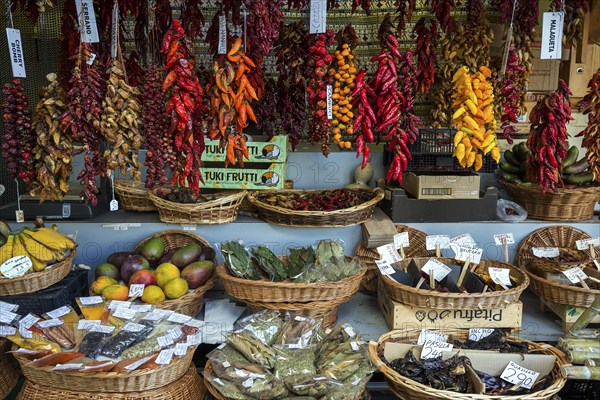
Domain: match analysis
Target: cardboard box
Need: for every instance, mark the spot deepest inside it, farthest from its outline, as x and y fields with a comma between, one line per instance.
x=401, y=316
x=265, y=177
x=434, y=186
x=260, y=150
x=544, y=73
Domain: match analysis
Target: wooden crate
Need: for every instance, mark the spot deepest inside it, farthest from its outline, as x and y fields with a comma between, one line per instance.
x=567, y=314
x=401, y=316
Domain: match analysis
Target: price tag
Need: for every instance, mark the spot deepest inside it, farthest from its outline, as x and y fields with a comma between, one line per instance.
x=349, y=330
x=67, y=367
x=355, y=346
x=137, y=364
x=114, y=37
x=133, y=327
x=585, y=244
x=114, y=205
x=575, y=274
x=329, y=102
x=141, y=307
x=476, y=334
x=59, y=312
x=136, y=290
x=115, y=304
x=7, y=330
x=87, y=21
x=179, y=318
x=464, y=239
x=49, y=323
x=318, y=16
x=434, y=349
x=124, y=313
x=501, y=276
x=175, y=333
x=388, y=252
x=401, y=240
x=426, y=334
x=92, y=58
x=87, y=324
x=16, y=266
x=181, y=349
x=384, y=267
x=473, y=254
x=26, y=323
x=194, y=340
x=294, y=346
x=15, y=48
x=153, y=316
x=196, y=323
x=19, y=216
x=189, y=227
x=165, y=356
x=165, y=341
x=545, y=252
x=442, y=240
x=218, y=381
x=222, y=46
x=89, y=301
x=509, y=237
x=514, y=373
x=102, y=329
x=441, y=269
x=552, y=33
x=300, y=318
x=4, y=307
x=8, y=317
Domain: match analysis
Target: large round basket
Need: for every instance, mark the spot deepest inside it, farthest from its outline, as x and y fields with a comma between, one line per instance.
x=222, y=210
x=563, y=205
x=9, y=371
x=108, y=382
x=429, y=298
x=338, y=218
x=189, y=386
x=367, y=256
x=35, y=281
x=542, y=264
x=133, y=196
x=406, y=388
x=190, y=303
x=560, y=293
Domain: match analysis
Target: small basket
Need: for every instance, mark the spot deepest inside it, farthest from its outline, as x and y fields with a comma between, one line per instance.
x=108, y=382
x=30, y=283
x=222, y=210
x=367, y=256
x=133, y=196
x=548, y=265
x=189, y=386
x=406, y=388
x=338, y=218
x=324, y=311
x=560, y=293
x=192, y=302
x=563, y=205
x=9, y=372
x=432, y=299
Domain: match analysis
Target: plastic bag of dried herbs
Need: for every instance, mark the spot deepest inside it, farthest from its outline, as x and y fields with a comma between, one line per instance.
x=298, y=331
x=309, y=385
x=227, y=389
x=235, y=370
x=238, y=261
x=299, y=259
x=268, y=261
x=227, y=352
x=347, y=391
x=294, y=362
x=337, y=358
x=163, y=335
x=252, y=348
x=130, y=334
x=264, y=388
x=265, y=325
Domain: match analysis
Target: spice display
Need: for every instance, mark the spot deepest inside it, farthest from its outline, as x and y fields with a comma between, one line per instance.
x=327, y=200
x=512, y=95
x=404, y=12
x=269, y=262
x=238, y=260
x=92, y=343
x=590, y=105
x=265, y=325
x=364, y=117
x=425, y=51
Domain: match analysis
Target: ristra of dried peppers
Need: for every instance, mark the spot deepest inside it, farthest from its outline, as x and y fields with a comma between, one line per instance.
x=183, y=106
x=441, y=9
x=364, y=4
x=512, y=95
x=318, y=60
x=547, y=138
x=404, y=12
x=18, y=140
x=364, y=117
x=590, y=105
x=269, y=121
x=53, y=152
x=427, y=37
x=574, y=16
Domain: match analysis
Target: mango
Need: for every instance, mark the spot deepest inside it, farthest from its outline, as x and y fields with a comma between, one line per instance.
x=153, y=295
x=116, y=292
x=166, y=272
x=175, y=288
x=186, y=255
x=101, y=283
x=153, y=250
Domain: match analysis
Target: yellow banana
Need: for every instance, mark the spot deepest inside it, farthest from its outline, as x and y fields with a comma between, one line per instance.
x=7, y=249
x=18, y=247
x=36, y=249
x=52, y=239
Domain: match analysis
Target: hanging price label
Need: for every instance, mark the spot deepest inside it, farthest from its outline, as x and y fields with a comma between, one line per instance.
x=115, y=304
x=49, y=323
x=545, y=252
x=114, y=37
x=8, y=317
x=575, y=274
x=136, y=290
x=426, y=334
x=388, y=253
x=16, y=266
x=329, y=102
x=442, y=240
x=19, y=216
x=552, y=33
x=501, y=276
x=401, y=240
x=15, y=48
x=473, y=254
x=114, y=205
x=476, y=334
x=87, y=21
x=585, y=244
x=434, y=349
x=318, y=16
x=92, y=58
x=516, y=374
x=179, y=318
x=441, y=269
x=222, y=47
x=508, y=237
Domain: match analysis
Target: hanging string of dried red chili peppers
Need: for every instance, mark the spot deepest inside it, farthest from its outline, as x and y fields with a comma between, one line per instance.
x=427, y=37
x=512, y=95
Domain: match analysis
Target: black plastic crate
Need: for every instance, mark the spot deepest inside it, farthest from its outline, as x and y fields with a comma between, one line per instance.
x=60, y=294
x=580, y=390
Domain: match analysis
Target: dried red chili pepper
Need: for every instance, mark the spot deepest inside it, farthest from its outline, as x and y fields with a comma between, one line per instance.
x=441, y=9
x=363, y=98
x=512, y=95
x=427, y=37
x=192, y=18
x=404, y=12
x=590, y=106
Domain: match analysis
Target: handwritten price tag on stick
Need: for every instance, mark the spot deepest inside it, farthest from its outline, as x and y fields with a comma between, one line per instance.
x=501, y=276
x=471, y=254
x=476, y=334
x=437, y=242
x=136, y=290
x=504, y=237
x=440, y=270
x=545, y=252
x=576, y=275
x=384, y=267
x=585, y=244
x=388, y=252
x=434, y=349
x=516, y=374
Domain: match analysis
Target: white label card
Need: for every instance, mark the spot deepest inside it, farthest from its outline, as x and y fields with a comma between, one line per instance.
x=509, y=237
x=552, y=32
x=355, y=346
x=136, y=290
x=165, y=341
x=384, y=267
x=50, y=323
x=545, y=252
x=401, y=240
x=7, y=317
x=7, y=330
x=141, y=307
x=441, y=269
x=20, y=216
x=427, y=334
x=329, y=89
x=195, y=339
x=137, y=364
x=434, y=349
x=318, y=16
x=433, y=240
x=92, y=58
x=102, y=329
x=67, y=367
x=179, y=318
x=28, y=321
x=476, y=334
x=222, y=46
x=464, y=239
x=87, y=324
x=16, y=266
x=165, y=356
x=90, y=301
x=115, y=304
x=87, y=18
x=132, y=327
x=114, y=37
x=514, y=373
x=59, y=312
x=114, y=205
x=197, y=323
x=349, y=330
x=473, y=254
x=575, y=274
x=388, y=252
x=4, y=306
x=501, y=276
x=124, y=313
x=584, y=244
x=15, y=48
x=181, y=349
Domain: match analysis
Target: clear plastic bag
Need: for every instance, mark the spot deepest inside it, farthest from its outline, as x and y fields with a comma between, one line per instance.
x=253, y=349
x=308, y=385
x=509, y=211
x=290, y=362
x=298, y=331
x=265, y=325
x=130, y=334
x=238, y=260
x=93, y=341
x=163, y=335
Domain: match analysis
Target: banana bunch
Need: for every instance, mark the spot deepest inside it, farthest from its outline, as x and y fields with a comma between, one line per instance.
x=473, y=101
x=43, y=246
x=119, y=124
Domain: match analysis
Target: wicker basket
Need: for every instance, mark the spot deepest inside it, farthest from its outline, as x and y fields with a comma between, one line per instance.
x=222, y=210
x=35, y=281
x=190, y=303
x=548, y=265
x=133, y=196
x=428, y=298
x=108, y=382
x=560, y=293
x=189, y=386
x=345, y=217
x=406, y=388
x=367, y=256
x=9, y=371
x=563, y=205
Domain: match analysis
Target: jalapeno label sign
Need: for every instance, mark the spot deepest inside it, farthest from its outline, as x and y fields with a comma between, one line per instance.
x=516, y=374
